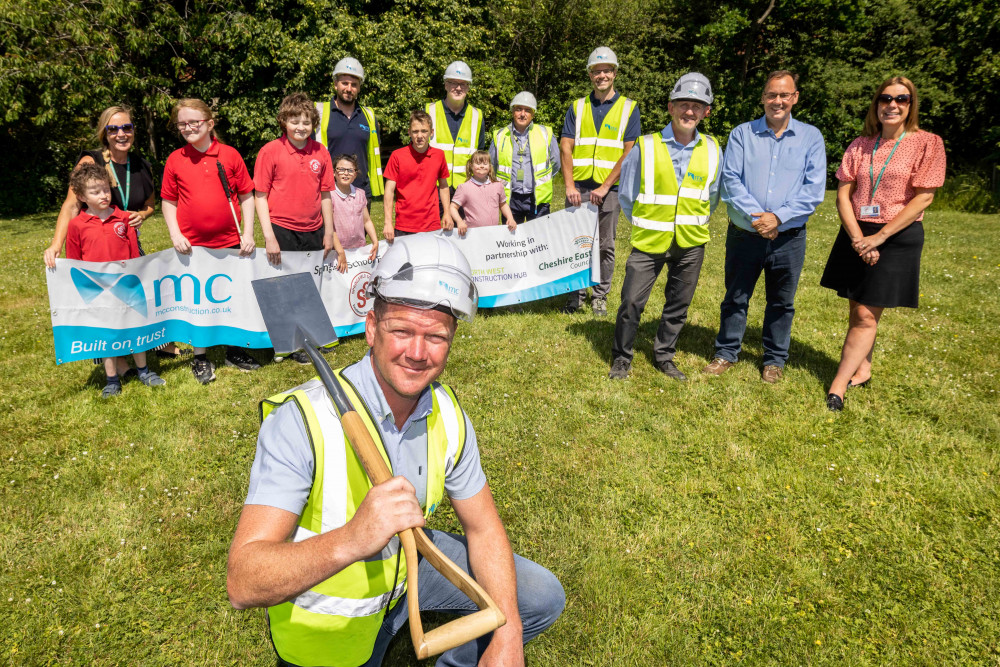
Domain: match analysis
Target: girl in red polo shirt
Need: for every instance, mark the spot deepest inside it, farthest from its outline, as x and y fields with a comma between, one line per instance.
x=196, y=209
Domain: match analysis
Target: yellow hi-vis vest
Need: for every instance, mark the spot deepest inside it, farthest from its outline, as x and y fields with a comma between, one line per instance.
x=595, y=152
x=662, y=209
x=457, y=150
x=539, y=138
x=374, y=153
x=335, y=623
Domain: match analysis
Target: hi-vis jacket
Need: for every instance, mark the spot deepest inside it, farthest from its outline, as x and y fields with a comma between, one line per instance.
x=335, y=623
x=595, y=152
x=539, y=138
x=374, y=153
x=663, y=208
x=457, y=150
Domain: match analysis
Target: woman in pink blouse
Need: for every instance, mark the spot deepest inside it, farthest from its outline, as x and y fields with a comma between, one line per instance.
x=887, y=179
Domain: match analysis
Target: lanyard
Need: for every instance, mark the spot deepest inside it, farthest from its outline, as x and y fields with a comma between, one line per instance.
x=871, y=169
x=128, y=184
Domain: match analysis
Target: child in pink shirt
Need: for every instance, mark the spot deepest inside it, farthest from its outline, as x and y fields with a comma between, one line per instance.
x=481, y=198
x=350, y=207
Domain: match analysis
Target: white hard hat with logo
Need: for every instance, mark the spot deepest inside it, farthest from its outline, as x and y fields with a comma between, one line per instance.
x=458, y=71
x=602, y=55
x=428, y=272
x=693, y=86
x=349, y=66
x=524, y=99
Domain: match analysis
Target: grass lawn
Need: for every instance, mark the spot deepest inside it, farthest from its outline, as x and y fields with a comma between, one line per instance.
x=718, y=521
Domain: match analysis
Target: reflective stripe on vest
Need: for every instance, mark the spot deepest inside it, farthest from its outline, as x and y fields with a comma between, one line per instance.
x=596, y=152
x=662, y=209
x=373, y=150
x=457, y=150
x=539, y=138
x=335, y=622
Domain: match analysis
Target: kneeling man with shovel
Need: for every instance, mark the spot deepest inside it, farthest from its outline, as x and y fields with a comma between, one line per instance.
x=317, y=539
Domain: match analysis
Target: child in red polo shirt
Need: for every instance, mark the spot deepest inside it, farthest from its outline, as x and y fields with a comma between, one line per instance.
x=102, y=233
x=197, y=210
x=293, y=177
x=412, y=175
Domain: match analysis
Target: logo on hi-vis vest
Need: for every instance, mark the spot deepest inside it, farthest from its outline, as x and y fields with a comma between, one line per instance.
x=127, y=288
x=357, y=296
x=609, y=126
x=696, y=177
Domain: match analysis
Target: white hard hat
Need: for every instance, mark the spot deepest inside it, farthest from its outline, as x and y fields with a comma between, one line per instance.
x=458, y=71
x=602, y=55
x=428, y=272
x=349, y=66
x=524, y=99
x=693, y=86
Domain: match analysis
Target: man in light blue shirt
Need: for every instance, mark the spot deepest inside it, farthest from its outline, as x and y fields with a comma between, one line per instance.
x=669, y=219
x=773, y=178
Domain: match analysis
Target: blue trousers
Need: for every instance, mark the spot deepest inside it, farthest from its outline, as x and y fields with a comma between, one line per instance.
x=540, y=601
x=781, y=260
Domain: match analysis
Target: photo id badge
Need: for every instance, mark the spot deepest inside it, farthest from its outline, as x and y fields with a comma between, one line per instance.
x=872, y=211
x=520, y=174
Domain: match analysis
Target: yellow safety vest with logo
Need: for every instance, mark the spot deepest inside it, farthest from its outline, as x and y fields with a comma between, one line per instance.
x=335, y=622
x=595, y=152
x=374, y=152
x=539, y=138
x=457, y=150
x=663, y=210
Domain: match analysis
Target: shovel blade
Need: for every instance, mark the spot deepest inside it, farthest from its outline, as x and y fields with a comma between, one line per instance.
x=293, y=310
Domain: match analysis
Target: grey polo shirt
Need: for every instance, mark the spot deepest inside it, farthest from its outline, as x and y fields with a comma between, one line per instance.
x=282, y=471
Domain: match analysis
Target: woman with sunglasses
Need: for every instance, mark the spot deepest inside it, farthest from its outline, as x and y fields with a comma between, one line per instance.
x=131, y=177
x=887, y=178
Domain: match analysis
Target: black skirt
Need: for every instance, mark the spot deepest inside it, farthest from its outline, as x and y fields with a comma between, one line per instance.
x=893, y=281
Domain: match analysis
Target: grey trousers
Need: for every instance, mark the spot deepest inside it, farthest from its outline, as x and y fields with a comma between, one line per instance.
x=641, y=270
x=607, y=224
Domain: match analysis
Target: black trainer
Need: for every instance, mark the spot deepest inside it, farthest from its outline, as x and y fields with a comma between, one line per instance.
x=619, y=369
x=203, y=370
x=238, y=357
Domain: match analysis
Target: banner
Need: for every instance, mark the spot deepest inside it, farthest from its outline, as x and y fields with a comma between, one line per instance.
x=544, y=257
x=105, y=309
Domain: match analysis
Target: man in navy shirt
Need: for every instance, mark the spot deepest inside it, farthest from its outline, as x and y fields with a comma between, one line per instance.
x=346, y=127
x=773, y=178
x=598, y=132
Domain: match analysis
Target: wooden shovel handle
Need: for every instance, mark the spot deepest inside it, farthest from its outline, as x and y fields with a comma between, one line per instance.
x=456, y=632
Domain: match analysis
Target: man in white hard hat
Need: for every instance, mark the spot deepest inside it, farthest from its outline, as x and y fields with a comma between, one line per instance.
x=598, y=132
x=347, y=128
x=773, y=178
x=669, y=189
x=525, y=157
x=317, y=546
x=457, y=125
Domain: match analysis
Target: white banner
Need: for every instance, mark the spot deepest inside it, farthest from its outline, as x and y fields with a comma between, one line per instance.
x=544, y=257
x=103, y=309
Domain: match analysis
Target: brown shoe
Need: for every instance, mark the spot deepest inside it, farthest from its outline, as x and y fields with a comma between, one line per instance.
x=718, y=366
x=771, y=374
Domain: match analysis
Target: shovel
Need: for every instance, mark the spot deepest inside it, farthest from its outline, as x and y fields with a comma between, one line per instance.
x=296, y=319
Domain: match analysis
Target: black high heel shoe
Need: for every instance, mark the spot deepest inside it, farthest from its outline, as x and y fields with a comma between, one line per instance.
x=834, y=403
x=851, y=385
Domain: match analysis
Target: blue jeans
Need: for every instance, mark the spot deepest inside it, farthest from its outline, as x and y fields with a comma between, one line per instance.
x=540, y=601
x=781, y=259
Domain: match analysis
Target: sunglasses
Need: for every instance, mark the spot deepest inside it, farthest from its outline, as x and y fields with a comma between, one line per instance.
x=127, y=128
x=900, y=99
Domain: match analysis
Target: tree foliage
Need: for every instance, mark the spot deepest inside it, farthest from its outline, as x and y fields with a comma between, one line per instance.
x=62, y=61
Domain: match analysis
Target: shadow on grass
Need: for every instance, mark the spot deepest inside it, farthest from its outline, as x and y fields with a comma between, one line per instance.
x=699, y=340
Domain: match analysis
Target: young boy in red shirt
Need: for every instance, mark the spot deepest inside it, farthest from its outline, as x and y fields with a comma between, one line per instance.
x=412, y=175
x=293, y=178
x=102, y=233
